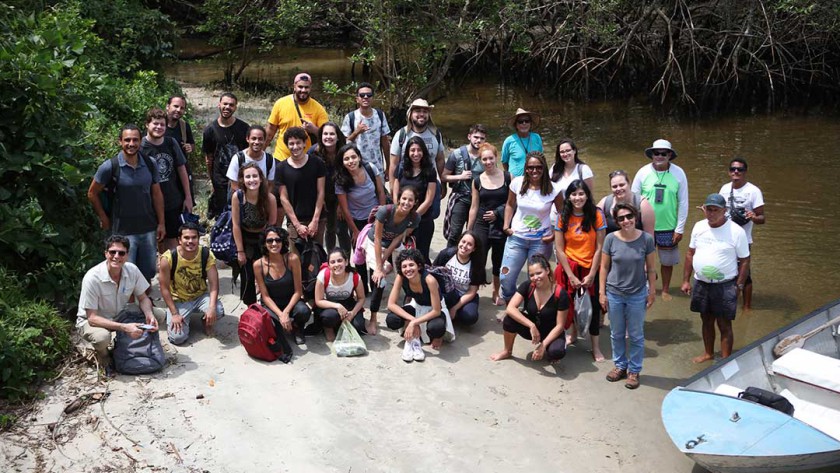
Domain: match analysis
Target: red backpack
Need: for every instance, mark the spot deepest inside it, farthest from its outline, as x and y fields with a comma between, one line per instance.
x=326, y=266
x=262, y=335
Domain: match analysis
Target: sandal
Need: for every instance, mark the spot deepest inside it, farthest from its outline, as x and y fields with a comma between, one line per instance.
x=632, y=381
x=616, y=374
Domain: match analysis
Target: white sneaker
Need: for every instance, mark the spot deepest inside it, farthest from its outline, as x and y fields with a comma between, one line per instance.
x=408, y=352
x=417, y=349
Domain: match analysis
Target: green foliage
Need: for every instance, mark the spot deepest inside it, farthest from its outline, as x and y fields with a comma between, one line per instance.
x=33, y=340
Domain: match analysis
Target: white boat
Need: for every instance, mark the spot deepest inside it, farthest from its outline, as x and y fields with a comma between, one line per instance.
x=707, y=420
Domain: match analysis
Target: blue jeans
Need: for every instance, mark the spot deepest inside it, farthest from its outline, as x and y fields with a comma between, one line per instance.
x=627, y=317
x=142, y=251
x=517, y=252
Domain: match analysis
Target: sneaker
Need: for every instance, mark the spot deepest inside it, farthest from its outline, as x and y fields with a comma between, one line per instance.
x=616, y=374
x=417, y=350
x=408, y=352
x=632, y=381
x=300, y=339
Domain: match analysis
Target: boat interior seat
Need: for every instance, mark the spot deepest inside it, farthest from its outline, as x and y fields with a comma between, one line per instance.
x=809, y=367
x=728, y=390
x=824, y=419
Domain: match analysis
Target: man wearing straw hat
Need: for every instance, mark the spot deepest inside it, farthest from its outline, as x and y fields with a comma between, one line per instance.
x=522, y=142
x=419, y=116
x=295, y=109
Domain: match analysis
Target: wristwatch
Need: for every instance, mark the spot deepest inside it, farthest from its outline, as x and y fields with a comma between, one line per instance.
x=740, y=287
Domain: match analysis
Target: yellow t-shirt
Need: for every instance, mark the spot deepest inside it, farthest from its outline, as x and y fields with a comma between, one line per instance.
x=187, y=283
x=284, y=116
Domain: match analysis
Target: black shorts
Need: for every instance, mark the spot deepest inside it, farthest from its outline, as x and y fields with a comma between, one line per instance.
x=172, y=222
x=718, y=299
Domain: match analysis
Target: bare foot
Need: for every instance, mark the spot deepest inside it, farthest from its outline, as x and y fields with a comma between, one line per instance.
x=497, y=300
x=666, y=296
x=570, y=340
x=436, y=343
x=598, y=356
x=502, y=355
x=702, y=358
x=370, y=326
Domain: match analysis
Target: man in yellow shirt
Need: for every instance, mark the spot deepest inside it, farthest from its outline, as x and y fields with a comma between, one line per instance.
x=295, y=109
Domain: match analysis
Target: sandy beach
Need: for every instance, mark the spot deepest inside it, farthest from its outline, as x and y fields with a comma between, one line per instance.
x=216, y=410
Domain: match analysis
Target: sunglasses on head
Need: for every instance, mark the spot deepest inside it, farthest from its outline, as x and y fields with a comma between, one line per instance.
x=271, y=241
x=624, y=217
x=365, y=95
x=116, y=252
x=736, y=169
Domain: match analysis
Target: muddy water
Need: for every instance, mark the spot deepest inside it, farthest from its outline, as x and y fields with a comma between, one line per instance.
x=793, y=159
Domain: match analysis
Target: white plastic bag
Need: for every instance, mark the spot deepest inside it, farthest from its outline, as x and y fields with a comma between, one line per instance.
x=348, y=342
x=583, y=312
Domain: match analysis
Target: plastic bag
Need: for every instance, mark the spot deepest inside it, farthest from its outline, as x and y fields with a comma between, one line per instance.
x=583, y=312
x=348, y=342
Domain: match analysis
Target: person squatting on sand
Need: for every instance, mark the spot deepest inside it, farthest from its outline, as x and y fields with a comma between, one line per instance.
x=339, y=295
x=466, y=265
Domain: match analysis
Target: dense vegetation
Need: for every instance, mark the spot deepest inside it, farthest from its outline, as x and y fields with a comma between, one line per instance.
x=72, y=74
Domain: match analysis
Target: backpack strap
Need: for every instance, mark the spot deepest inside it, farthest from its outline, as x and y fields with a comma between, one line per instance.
x=205, y=257
x=183, y=124
x=240, y=156
x=356, y=278
x=326, y=268
x=173, y=255
x=369, y=168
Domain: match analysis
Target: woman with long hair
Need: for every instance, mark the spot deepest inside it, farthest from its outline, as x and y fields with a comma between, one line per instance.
x=425, y=318
x=279, y=279
x=391, y=226
x=339, y=295
x=527, y=223
x=330, y=140
x=537, y=312
x=627, y=286
x=487, y=210
x=579, y=237
x=568, y=167
x=466, y=265
x=252, y=209
x=419, y=172
x=621, y=194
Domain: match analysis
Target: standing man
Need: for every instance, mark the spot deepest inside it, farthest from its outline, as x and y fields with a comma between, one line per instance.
x=420, y=124
x=297, y=177
x=295, y=110
x=665, y=186
x=172, y=173
x=223, y=138
x=177, y=127
x=106, y=289
x=744, y=206
x=189, y=282
x=134, y=201
x=459, y=171
x=719, y=255
x=368, y=129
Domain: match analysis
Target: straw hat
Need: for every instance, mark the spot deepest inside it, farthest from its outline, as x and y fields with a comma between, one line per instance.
x=420, y=103
x=661, y=144
x=535, y=118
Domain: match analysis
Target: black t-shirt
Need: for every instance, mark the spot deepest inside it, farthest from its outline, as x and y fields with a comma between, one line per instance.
x=419, y=182
x=546, y=319
x=176, y=133
x=168, y=157
x=301, y=185
x=223, y=143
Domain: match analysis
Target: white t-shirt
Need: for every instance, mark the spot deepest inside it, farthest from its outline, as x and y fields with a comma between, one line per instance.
x=233, y=168
x=717, y=250
x=369, y=141
x=337, y=293
x=580, y=170
x=532, y=219
x=748, y=197
x=460, y=273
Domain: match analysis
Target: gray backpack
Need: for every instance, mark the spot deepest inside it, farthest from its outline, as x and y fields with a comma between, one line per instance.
x=141, y=356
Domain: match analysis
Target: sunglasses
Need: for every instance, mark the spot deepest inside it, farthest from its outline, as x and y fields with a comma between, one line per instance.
x=116, y=252
x=533, y=168
x=365, y=95
x=737, y=169
x=661, y=153
x=272, y=241
x=622, y=218
x=522, y=122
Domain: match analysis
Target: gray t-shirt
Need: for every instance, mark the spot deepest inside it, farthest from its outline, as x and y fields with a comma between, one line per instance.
x=391, y=230
x=627, y=263
x=361, y=198
x=134, y=213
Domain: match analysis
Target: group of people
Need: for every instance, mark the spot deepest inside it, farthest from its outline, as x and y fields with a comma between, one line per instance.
x=366, y=194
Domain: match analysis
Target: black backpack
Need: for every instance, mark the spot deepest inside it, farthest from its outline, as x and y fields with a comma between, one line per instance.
x=138, y=356
x=312, y=256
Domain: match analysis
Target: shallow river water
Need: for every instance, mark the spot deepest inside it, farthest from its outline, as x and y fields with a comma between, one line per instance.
x=793, y=159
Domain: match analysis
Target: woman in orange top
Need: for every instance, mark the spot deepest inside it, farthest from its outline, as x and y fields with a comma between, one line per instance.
x=579, y=237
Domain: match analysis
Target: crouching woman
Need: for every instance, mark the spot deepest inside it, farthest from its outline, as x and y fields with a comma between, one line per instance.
x=339, y=295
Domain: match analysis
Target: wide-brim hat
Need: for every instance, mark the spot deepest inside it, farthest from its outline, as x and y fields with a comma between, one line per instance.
x=418, y=103
x=661, y=144
x=535, y=117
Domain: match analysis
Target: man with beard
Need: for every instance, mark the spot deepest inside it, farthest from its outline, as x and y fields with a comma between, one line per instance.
x=189, y=282
x=665, y=186
x=177, y=127
x=459, y=171
x=420, y=123
x=295, y=110
x=223, y=138
x=172, y=172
